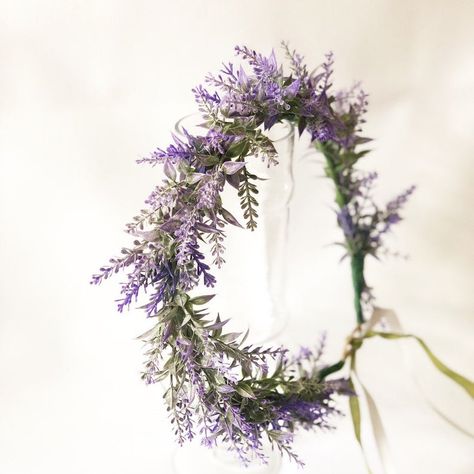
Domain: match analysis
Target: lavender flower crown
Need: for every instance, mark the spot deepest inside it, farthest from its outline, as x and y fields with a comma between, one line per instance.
x=219, y=388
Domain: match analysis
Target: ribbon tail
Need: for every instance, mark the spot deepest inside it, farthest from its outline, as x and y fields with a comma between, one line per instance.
x=355, y=414
x=376, y=425
x=390, y=317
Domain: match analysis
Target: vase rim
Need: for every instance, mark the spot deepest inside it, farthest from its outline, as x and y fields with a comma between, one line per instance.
x=287, y=132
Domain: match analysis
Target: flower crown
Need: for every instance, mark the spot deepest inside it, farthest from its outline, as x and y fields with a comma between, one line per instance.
x=219, y=388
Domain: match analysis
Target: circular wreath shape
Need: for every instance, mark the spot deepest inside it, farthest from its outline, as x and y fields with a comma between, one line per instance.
x=218, y=388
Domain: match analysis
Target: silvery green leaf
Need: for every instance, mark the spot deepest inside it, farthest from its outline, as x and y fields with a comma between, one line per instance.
x=245, y=390
x=207, y=228
x=201, y=299
x=208, y=160
x=194, y=178
x=149, y=235
x=245, y=337
x=169, y=170
x=232, y=167
x=230, y=218
x=232, y=336
x=233, y=180
x=225, y=388
x=150, y=332
x=218, y=324
x=186, y=320
x=181, y=299
x=170, y=225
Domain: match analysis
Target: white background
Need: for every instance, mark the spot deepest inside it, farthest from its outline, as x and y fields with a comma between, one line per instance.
x=88, y=87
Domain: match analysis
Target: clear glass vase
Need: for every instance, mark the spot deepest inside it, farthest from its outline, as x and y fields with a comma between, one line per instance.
x=201, y=460
x=251, y=285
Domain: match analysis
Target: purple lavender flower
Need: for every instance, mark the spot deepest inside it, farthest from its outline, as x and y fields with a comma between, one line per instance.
x=174, y=153
x=363, y=185
x=192, y=150
x=264, y=68
x=211, y=186
x=398, y=202
x=261, y=94
x=298, y=68
x=305, y=353
x=163, y=197
x=346, y=223
x=350, y=106
x=185, y=236
x=391, y=216
x=208, y=103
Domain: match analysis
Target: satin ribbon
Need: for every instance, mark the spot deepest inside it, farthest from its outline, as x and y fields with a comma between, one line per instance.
x=387, y=465
x=393, y=330
x=394, y=325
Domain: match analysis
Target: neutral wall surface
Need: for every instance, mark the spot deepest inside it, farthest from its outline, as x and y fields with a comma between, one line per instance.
x=88, y=87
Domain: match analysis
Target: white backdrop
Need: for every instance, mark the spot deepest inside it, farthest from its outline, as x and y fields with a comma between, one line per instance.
x=87, y=87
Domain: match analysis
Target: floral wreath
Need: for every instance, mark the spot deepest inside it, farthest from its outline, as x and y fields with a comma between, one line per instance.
x=219, y=388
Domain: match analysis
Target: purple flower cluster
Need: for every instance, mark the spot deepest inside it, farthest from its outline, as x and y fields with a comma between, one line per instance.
x=221, y=391
x=187, y=209
x=265, y=95
x=180, y=212
x=195, y=151
x=364, y=223
x=211, y=186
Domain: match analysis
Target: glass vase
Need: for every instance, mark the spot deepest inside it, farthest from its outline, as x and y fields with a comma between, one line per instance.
x=251, y=285
x=201, y=460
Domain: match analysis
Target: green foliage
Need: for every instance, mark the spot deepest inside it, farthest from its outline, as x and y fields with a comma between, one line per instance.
x=248, y=202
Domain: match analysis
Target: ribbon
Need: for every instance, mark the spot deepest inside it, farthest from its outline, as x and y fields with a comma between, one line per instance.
x=365, y=331
x=375, y=420
x=393, y=323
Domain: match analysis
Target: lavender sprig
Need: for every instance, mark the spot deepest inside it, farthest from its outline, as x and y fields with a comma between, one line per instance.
x=221, y=389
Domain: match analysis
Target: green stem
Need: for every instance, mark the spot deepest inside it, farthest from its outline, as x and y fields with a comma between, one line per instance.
x=358, y=282
x=357, y=258
x=331, y=369
x=331, y=172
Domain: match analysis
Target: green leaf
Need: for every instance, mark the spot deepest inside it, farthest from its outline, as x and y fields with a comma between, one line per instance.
x=186, y=320
x=198, y=300
x=246, y=368
x=232, y=167
x=230, y=337
x=240, y=148
x=224, y=388
x=245, y=390
x=323, y=373
x=171, y=314
x=208, y=160
x=169, y=170
x=229, y=217
x=247, y=201
x=355, y=412
x=217, y=325
x=362, y=153
x=245, y=337
x=465, y=383
x=218, y=331
x=181, y=299
x=151, y=332
x=194, y=178
x=301, y=125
